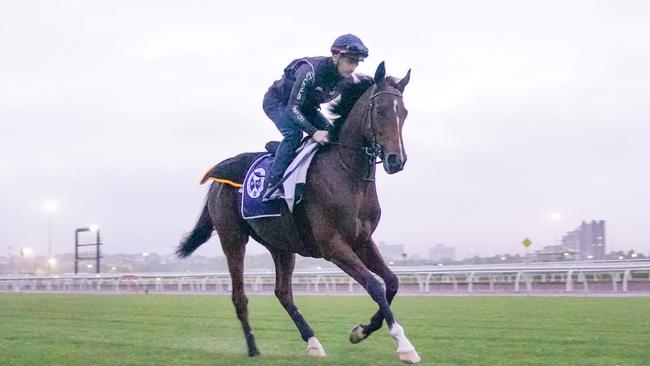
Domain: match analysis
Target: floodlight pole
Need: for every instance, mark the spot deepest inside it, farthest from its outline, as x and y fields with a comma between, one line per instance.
x=49, y=236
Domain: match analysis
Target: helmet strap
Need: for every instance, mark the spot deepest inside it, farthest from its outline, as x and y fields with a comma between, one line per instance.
x=336, y=57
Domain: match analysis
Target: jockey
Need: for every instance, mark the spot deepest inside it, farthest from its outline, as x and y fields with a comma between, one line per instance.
x=293, y=102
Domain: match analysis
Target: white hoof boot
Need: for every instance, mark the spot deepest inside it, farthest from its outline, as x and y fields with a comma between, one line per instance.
x=356, y=334
x=409, y=357
x=314, y=348
x=405, y=349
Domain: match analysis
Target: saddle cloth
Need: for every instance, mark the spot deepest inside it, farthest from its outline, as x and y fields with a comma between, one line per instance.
x=253, y=207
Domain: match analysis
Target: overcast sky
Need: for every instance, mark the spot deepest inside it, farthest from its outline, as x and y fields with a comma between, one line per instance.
x=517, y=110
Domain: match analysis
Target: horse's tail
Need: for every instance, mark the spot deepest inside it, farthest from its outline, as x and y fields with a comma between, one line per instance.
x=199, y=235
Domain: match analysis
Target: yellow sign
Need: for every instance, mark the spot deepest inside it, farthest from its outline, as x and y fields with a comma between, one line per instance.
x=526, y=242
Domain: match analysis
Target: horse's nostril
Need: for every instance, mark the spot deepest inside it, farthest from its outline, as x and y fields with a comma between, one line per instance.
x=393, y=160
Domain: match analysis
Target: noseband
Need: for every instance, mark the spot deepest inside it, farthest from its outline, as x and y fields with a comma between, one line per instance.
x=372, y=150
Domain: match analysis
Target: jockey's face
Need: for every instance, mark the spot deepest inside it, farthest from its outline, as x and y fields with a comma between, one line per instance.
x=345, y=65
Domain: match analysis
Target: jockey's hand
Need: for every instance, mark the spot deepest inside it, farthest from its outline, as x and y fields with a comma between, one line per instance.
x=321, y=136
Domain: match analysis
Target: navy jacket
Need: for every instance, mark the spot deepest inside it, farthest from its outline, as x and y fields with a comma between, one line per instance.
x=306, y=83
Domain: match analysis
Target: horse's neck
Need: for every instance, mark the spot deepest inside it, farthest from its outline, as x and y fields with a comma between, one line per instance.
x=352, y=136
x=351, y=133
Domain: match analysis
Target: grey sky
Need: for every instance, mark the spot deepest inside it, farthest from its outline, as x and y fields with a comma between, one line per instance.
x=517, y=109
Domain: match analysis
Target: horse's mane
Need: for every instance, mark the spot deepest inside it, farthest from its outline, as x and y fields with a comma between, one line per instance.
x=349, y=95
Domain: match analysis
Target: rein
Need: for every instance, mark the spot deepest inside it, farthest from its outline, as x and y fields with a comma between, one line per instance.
x=373, y=150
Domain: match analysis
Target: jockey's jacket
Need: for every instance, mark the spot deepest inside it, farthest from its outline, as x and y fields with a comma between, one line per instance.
x=306, y=83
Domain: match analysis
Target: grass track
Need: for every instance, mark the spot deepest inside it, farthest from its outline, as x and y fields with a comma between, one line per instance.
x=44, y=329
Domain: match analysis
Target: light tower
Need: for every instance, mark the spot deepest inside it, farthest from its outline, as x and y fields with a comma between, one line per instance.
x=50, y=206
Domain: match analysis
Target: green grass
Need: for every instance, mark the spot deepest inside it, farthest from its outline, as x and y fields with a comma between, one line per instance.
x=42, y=329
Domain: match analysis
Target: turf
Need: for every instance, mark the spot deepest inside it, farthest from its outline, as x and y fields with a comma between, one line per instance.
x=44, y=329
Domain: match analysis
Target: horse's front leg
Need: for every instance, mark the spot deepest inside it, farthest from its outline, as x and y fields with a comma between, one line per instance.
x=370, y=256
x=349, y=262
x=284, y=264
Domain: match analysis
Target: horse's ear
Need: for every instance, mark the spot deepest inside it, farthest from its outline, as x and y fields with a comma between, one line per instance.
x=402, y=83
x=380, y=74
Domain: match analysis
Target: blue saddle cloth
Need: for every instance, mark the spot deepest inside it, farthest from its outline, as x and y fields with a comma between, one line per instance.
x=252, y=206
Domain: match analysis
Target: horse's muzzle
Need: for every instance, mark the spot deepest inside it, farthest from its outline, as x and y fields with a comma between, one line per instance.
x=393, y=163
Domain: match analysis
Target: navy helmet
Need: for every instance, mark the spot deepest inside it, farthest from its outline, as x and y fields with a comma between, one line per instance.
x=349, y=45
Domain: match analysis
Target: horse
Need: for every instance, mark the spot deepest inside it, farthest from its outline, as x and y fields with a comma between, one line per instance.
x=335, y=220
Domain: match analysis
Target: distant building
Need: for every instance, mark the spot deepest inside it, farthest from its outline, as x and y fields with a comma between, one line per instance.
x=587, y=241
x=592, y=240
x=391, y=252
x=441, y=253
x=571, y=241
x=555, y=253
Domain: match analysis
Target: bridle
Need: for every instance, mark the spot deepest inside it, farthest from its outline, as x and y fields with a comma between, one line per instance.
x=372, y=150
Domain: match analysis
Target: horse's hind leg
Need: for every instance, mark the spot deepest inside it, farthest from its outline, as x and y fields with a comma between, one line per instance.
x=370, y=256
x=284, y=264
x=235, y=260
x=349, y=262
x=233, y=234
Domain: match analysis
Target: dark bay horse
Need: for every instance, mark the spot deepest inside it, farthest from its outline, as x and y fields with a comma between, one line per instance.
x=336, y=218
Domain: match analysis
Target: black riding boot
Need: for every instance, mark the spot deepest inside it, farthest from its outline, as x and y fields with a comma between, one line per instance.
x=283, y=157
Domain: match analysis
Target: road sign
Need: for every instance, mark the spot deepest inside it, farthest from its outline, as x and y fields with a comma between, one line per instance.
x=526, y=242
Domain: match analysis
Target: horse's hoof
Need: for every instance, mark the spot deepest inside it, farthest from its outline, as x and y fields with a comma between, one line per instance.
x=314, y=348
x=315, y=352
x=357, y=335
x=252, y=347
x=409, y=357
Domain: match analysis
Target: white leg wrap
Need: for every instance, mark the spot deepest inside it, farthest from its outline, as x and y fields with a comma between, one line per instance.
x=314, y=348
x=403, y=344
